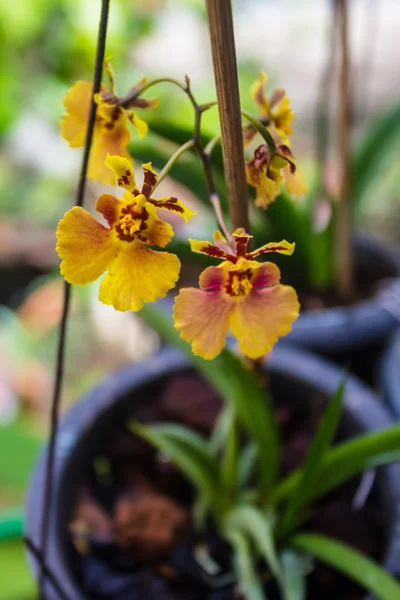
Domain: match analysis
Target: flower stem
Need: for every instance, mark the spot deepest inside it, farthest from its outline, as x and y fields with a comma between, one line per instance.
x=262, y=130
x=209, y=149
x=344, y=253
x=48, y=494
x=168, y=166
x=226, y=81
x=204, y=157
x=126, y=100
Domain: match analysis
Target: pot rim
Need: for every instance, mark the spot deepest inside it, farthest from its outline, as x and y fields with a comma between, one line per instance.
x=344, y=328
x=359, y=402
x=389, y=374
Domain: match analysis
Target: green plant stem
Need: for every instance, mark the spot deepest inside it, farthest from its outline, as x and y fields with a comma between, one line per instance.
x=168, y=166
x=269, y=140
x=209, y=149
x=126, y=100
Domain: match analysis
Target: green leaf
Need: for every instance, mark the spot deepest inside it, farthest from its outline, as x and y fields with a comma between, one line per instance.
x=221, y=429
x=189, y=451
x=239, y=387
x=244, y=567
x=230, y=458
x=247, y=462
x=254, y=523
x=346, y=460
x=312, y=465
x=379, y=146
x=349, y=561
x=293, y=577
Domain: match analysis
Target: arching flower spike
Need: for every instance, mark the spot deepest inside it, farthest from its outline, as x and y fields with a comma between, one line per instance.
x=111, y=133
x=240, y=294
x=135, y=272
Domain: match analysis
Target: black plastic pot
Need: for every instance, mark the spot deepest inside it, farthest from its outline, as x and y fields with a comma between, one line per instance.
x=15, y=280
x=303, y=380
x=356, y=335
x=389, y=374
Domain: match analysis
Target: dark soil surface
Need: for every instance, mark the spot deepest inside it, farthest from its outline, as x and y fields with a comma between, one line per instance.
x=131, y=530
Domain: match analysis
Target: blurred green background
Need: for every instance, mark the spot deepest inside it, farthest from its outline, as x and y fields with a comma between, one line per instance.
x=45, y=46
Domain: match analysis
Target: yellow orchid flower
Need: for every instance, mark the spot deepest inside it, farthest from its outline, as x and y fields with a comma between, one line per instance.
x=111, y=134
x=276, y=108
x=266, y=172
x=240, y=294
x=135, y=272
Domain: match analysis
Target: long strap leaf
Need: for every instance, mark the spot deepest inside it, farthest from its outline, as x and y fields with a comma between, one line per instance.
x=253, y=522
x=189, y=451
x=312, y=466
x=351, y=562
x=346, y=460
x=293, y=576
x=244, y=566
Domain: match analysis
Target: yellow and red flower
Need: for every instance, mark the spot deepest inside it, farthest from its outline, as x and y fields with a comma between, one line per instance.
x=240, y=294
x=276, y=108
x=111, y=134
x=135, y=272
x=266, y=171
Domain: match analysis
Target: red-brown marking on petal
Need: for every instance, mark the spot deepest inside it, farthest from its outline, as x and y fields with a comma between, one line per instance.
x=259, y=96
x=276, y=97
x=262, y=157
x=108, y=121
x=239, y=283
x=150, y=180
x=170, y=204
x=109, y=98
x=142, y=216
x=285, y=151
x=107, y=205
x=241, y=242
x=261, y=251
x=124, y=179
x=216, y=252
x=249, y=132
x=141, y=103
x=109, y=213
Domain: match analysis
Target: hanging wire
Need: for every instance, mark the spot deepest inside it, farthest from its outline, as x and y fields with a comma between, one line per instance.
x=60, y=358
